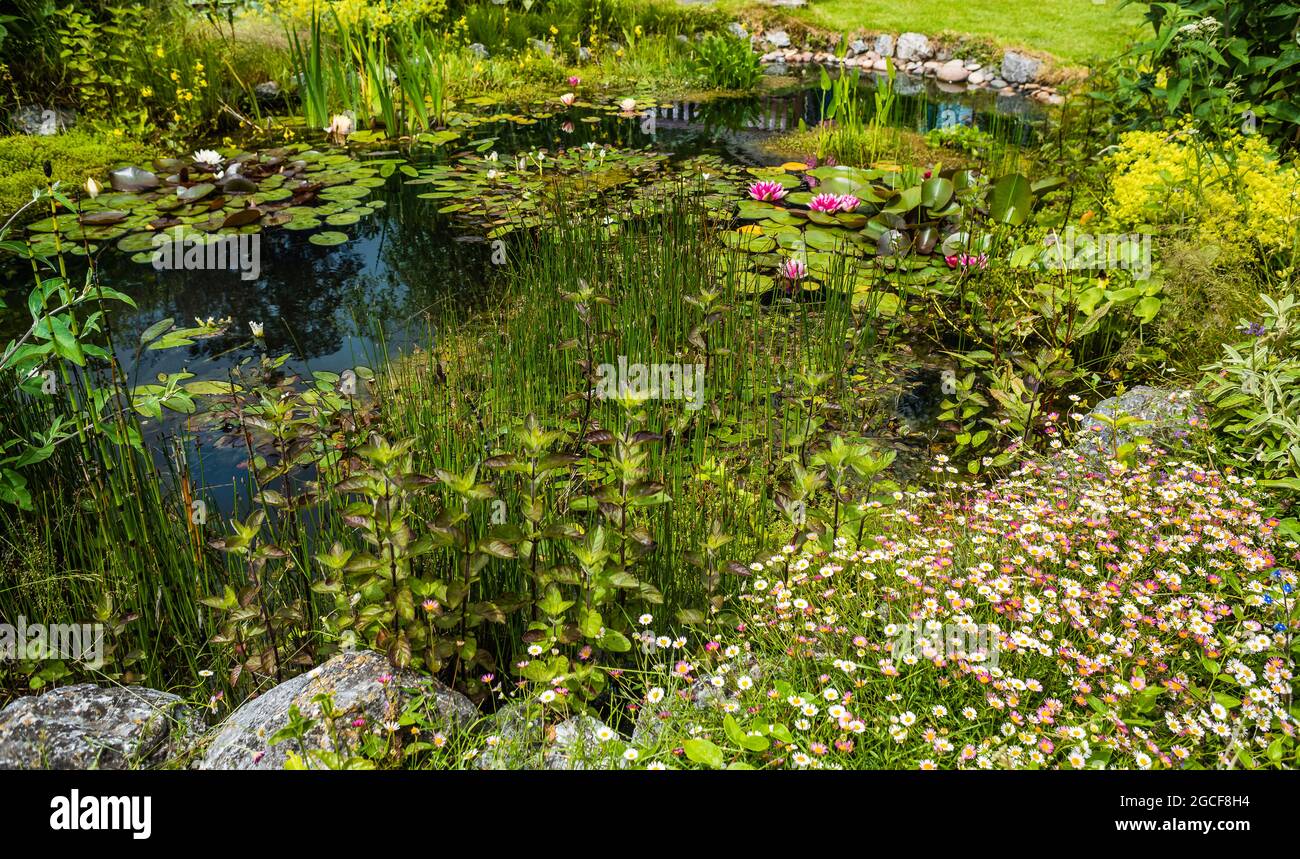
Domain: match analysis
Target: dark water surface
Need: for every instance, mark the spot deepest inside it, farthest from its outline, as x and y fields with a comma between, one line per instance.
x=405, y=263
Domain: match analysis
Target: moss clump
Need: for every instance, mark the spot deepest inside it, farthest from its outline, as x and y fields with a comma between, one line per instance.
x=73, y=157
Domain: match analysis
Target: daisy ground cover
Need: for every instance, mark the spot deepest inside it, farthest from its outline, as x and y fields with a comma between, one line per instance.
x=1142, y=617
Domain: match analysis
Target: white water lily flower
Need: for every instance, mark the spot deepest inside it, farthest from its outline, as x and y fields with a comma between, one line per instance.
x=341, y=124
x=492, y=156
x=492, y=175
x=257, y=328
x=628, y=104
x=208, y=158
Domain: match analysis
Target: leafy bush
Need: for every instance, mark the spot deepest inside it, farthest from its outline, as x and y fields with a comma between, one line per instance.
x=727, y=62
x=1216, y=59
x=1255, y=390
x=1234, y=193
x=354, y=13
x=962, y=138
x=1205, y=293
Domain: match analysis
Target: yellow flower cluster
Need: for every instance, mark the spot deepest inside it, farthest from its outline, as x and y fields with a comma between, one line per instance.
x=353, y=13
x=1234, y=194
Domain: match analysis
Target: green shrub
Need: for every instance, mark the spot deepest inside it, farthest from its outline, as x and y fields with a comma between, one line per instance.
x=1255, y=394
x=72, y=156
x=728, y=63
x=1217, y=60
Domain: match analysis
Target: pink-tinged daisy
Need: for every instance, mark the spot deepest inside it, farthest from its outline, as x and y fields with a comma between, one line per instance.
x=767, y=191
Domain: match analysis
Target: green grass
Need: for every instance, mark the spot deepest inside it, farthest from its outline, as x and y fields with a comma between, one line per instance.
x=1073, y=30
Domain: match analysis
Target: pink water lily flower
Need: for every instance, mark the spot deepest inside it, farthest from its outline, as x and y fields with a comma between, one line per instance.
x=827, y=203
x=767, y=191
x=574, y=80
x=966, y=261
x=794, y=269
x=568, y=99
x=849, y=203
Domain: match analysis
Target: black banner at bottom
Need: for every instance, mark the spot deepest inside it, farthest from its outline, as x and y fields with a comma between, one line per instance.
x=306, y=810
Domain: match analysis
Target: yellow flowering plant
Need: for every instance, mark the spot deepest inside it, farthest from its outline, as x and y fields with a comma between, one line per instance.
x=1235, y=193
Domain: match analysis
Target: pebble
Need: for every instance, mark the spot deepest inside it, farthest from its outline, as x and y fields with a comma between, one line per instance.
x=953, y=72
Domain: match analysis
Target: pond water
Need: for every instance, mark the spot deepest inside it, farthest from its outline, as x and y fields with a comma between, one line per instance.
x=406, y=264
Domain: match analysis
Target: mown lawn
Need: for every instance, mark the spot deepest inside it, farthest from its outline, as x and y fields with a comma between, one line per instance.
x=1073, y=30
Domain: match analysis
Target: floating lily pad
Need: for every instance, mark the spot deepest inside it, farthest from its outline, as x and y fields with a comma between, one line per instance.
x=132, y=179
x=329, y=238
x=195, y=192
x=136, y=242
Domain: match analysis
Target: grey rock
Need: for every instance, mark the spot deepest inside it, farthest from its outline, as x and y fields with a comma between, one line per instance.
x=267, y=91
x=998, y=83
x=884, y=45
x=519, y=740
x=1167, y=415
x=1019, y=69
x=353, y=678
x=479, y=50
x=545, y=48
x=858, y=46
x=42, y=121
x=91, y=727
x=777, y=68
x=577, y=747
x=584, y=54
x=522, y=742
x=738, y=30
x=777, y=38
x=972, y=66
x=976, y=78
x=913, y=46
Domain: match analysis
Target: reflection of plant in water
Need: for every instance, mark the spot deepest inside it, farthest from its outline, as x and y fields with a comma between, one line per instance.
x=503, y=195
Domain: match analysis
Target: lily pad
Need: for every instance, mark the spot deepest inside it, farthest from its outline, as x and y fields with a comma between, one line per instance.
x=329, y=238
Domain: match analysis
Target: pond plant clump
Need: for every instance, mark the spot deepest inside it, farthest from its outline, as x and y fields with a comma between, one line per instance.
x=730, y=459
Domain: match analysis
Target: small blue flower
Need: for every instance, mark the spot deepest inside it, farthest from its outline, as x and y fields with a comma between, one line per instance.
x=1268, y=600
x=1286, y=589
x=1279, y=627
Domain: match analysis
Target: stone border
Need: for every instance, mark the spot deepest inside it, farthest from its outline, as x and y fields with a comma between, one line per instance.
x=914, y=54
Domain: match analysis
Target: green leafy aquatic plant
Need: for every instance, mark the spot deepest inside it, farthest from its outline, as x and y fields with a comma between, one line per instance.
x=186, y=202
